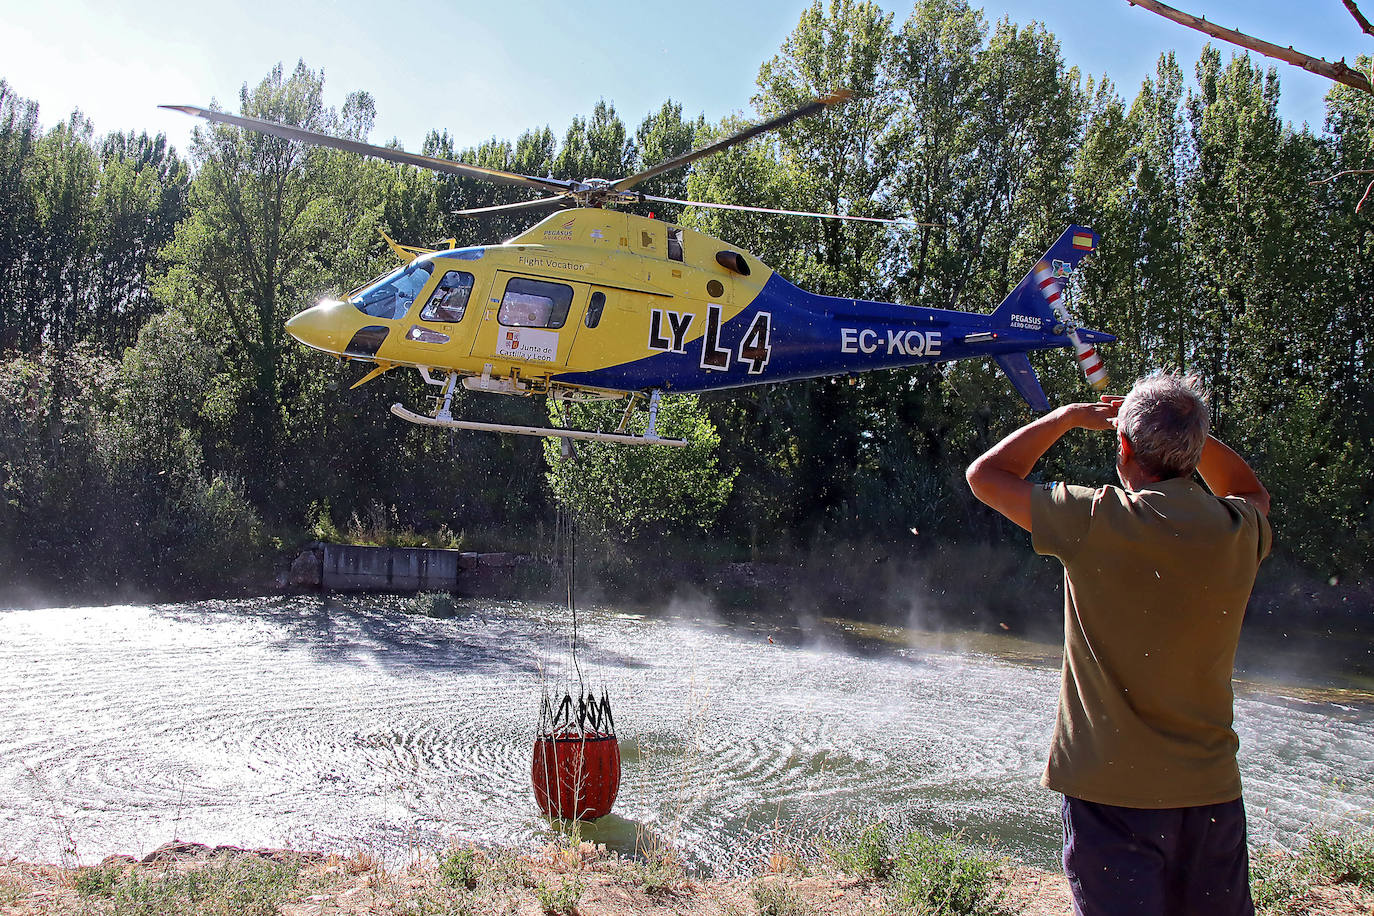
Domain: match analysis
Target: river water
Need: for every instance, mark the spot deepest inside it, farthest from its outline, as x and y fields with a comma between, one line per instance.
x=346, y=724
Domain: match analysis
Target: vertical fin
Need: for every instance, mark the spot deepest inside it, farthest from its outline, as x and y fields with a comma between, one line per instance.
x=1061, y=260
x=1039, y=296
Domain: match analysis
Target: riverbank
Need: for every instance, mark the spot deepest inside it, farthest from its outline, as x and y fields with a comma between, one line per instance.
x=1297, y=624
x=867, y=874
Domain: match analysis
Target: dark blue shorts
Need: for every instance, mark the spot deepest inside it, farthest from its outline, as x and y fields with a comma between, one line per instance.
x=1160, y=861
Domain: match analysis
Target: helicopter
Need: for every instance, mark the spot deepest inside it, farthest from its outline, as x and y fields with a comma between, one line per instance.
x=593, y=303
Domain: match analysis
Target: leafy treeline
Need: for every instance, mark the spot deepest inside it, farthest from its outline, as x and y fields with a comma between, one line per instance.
x=158, y=424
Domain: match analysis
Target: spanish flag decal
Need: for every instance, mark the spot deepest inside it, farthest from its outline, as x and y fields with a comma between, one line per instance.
x=1083, y=242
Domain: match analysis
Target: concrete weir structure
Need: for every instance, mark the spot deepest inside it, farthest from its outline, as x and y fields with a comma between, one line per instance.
x=353, y=568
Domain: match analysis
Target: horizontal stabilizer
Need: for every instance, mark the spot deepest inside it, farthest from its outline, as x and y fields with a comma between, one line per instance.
x=1018, y=368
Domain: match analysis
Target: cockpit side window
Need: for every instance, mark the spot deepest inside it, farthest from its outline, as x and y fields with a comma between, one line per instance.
x=391, y=297
x=534, y=304
x=675, y=243
x=450, y=300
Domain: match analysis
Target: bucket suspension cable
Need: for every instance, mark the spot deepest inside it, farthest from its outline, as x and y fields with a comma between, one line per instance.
x=569, y=559
x=575, y=769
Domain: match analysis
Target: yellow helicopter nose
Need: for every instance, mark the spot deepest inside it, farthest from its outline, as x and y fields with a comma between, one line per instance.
x=325, y=326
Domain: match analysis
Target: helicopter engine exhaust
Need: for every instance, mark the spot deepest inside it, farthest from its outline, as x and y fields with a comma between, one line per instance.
x=733, y=261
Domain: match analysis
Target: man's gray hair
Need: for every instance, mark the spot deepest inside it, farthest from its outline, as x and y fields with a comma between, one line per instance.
x=1166, y=419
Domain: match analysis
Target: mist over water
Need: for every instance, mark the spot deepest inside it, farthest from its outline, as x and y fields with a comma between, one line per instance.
x=344, y=723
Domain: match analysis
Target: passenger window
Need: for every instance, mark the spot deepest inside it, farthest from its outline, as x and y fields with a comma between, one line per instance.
x=674, y=243
x=534, y=304
x=450, y=300
x=594, y=308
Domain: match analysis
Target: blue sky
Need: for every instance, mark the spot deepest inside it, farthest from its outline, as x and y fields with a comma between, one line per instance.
x=496, y=69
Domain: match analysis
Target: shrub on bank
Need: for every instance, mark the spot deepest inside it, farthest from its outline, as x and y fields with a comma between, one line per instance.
x=1280, y=880
x=943, y=876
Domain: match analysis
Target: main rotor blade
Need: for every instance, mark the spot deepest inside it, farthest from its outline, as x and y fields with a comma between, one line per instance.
x=287, y=132
x=782, y=120
x=864, y=219
x=550, y=202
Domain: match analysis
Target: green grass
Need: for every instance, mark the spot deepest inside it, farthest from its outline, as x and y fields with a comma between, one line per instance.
x=100, y=881
x=559, y=898
x=10, y=891
x=929, y=875
x=1277, y=882
x=655, y=874
x=864, y=852
x=377, y=527
x=662, y=875
x=237, y=888
x=778, y=898
x=1343, y=858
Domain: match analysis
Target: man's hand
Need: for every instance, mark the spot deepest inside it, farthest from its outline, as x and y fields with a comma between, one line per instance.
x=1099, y=416
x=998, y=477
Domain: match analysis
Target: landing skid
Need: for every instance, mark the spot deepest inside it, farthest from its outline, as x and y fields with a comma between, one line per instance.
x=450, y=423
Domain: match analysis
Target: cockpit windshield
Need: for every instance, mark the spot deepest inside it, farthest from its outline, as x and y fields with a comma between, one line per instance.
x=391, y=296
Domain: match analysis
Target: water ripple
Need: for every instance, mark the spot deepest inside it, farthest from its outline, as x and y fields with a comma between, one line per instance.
x=343, y=722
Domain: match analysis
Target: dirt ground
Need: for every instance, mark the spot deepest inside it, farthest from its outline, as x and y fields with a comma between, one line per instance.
x=583, y=881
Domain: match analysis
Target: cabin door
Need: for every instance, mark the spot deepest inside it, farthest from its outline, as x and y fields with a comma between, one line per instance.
x=530, y=319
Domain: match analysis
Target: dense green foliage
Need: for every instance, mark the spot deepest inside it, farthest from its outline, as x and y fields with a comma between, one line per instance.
x=627, y=492
x=156, y=420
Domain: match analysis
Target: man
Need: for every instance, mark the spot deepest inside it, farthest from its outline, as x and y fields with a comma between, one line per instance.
x=1157, y=576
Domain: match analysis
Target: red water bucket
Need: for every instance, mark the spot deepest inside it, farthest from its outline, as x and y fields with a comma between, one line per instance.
x=576, y=777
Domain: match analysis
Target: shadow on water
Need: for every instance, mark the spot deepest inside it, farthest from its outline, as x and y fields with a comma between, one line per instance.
x=385, y=631
x=376, y=632
x=618, y=834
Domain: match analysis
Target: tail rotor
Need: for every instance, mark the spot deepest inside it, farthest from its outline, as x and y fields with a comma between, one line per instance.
x=1094, y=370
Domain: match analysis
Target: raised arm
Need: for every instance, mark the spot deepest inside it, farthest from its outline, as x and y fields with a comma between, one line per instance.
x=998, y=476
x=1228, y=474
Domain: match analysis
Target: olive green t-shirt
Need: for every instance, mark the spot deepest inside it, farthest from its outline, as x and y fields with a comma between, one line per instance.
x=1156, y=583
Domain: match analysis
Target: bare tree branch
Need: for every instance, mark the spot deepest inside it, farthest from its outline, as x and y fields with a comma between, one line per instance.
x=1337, y=71
x=1366, y=197
x=1342, y=174
x=1359, y=17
